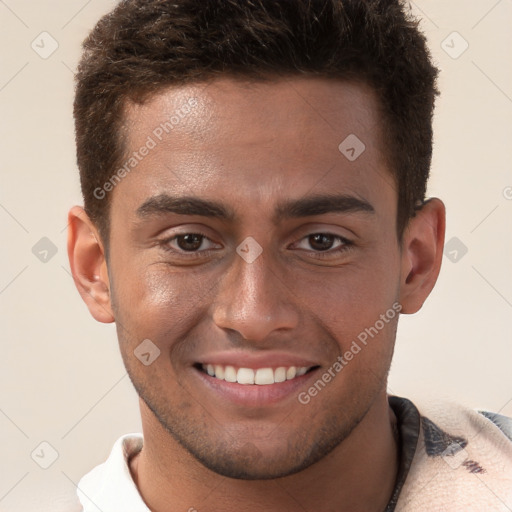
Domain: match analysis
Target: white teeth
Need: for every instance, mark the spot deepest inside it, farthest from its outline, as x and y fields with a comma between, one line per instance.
x=245, y=376
x=280, y=374
x=291, y=372
x=261, y=376
x=219, y=371
x=264, y=376
x=230, y=374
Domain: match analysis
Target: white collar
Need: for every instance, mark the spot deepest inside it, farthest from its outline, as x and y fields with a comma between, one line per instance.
x=109, y=487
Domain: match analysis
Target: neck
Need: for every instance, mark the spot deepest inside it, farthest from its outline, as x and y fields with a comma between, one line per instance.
x=358, y=475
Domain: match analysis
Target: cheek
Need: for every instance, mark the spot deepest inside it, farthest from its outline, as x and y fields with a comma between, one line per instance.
x=163, y=306
x=351, y=298
x=154, y=284
x=156, y=299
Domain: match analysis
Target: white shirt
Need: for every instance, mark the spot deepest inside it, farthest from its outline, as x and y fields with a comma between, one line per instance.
x=109, y=487
x=453, y=459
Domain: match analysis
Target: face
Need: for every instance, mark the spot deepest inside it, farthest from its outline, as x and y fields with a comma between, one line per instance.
x=247, y=244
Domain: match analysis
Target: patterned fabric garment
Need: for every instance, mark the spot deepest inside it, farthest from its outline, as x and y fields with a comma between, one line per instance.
x=452, y=459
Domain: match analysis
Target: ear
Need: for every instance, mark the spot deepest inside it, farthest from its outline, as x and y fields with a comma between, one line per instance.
x=422, y=254
x=88, y=264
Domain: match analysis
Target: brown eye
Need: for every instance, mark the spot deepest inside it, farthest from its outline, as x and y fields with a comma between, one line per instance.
x=190, y=241
x=323, y=245
x=189, y=245
x=321, y=241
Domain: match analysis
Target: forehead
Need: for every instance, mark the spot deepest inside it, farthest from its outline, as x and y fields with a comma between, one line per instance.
x=245, y=109
x=286, y=136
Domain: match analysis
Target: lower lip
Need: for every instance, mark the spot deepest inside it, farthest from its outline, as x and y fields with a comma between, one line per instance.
x=255, y=395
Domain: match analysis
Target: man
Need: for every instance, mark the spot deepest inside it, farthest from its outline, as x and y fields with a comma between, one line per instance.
x=255, y=222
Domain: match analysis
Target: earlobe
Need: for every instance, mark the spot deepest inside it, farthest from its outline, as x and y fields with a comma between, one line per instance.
x=422, y=253
x=88, y=265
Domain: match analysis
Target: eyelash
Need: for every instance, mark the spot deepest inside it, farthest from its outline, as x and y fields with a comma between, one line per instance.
x=186, y=254
x=346, y=245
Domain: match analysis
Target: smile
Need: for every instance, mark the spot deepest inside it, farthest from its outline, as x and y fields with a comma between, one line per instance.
x=257, y=376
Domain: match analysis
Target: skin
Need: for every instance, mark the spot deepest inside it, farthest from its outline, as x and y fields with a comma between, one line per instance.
x=250, y=148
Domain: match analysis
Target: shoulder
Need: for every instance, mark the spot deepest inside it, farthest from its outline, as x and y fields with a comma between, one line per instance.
x=504, y=423
x=463, y=460
x=445, y=421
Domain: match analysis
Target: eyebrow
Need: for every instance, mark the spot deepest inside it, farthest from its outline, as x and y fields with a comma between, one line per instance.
x=164, y=203
x=296, y=208
x=322, y=204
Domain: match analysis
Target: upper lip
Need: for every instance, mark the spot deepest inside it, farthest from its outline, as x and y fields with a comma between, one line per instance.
x=256, y=360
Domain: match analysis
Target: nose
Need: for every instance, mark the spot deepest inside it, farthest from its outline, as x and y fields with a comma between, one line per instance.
x=253, y=301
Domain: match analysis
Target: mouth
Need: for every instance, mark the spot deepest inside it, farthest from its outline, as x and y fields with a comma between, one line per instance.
x=264, y=376
x=253, y=380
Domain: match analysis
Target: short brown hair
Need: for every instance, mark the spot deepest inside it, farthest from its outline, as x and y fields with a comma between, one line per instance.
x=144, y=46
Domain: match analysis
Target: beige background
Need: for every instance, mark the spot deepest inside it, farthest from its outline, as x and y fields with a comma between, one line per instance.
x=61, y=377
